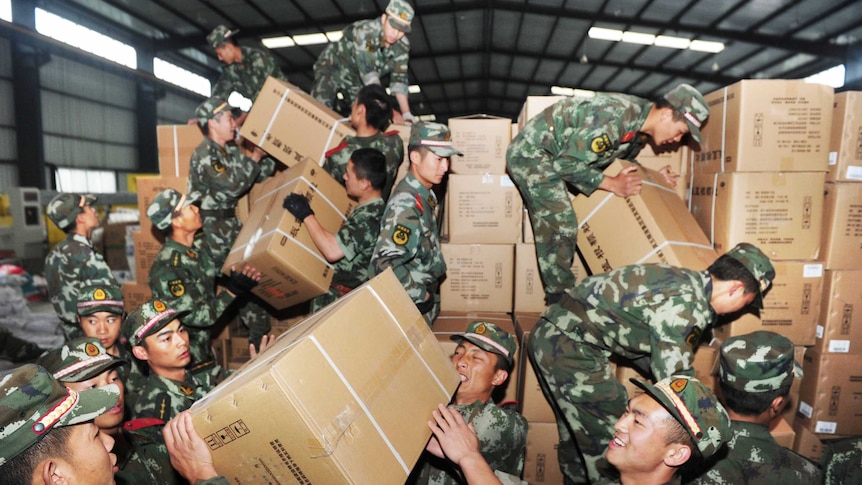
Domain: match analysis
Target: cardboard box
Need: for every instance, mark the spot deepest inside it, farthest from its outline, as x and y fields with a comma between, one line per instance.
x=324, y=404
x=782, y=432
x=779, y=212
x=541, y=465
x=534, y=407
x=653, y=227
x=767, y=126
x=114, y=242
x=677, y=156
x=479, y=277
x=483, y=209
x=146, y=250
x=528, y=236
x=845, y=144
x=792, y=399
x=745, y=323
x=280, y=247
x=806, y=442
x=483, y=140
x=176, y=145
x=450, y=323
x=841, y=241
x=290, y=125
x=135, y=294
x=529, y=291
x=148, y=188
x=830, y=398
x=839, y=328
x=533, y=106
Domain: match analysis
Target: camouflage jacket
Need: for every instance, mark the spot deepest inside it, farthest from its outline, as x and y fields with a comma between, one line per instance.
x=223, y=174
x=842, y=461
x=653, y=314
x=409, y=241
x=360, y=58
x=583, y=136
x=184, y=277
x=502, y=439
x=247, y=77
x=164, y=398
x=389, y=144
x=133, y=374
x=753, y=456
x=71, y=265
x=142, y=456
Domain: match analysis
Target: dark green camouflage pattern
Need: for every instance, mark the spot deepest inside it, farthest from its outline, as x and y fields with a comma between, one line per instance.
x=433, y=136
x=389, y=144
x=166, y=205
x=758, y=264
x=164, y=398
x=100, y=298
x=760, y=361
x=247, y=77
x=219, y=35
x=489, y=338
x=400, y=15
x=78, y=360
x=570, y=143
x=689, y=103
x=65, y=207
x=842, y=461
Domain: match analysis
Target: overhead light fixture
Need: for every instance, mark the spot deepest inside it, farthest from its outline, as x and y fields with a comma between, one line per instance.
x=414, y=89
x=334, y=36
x=430, y=117
x=605, y=34
x=578, y=93
x=301, y=39
x=650, y=39
x=706, y=46
x=311, y=39
x=672, y=42
x=278, y=42
x=638, y=38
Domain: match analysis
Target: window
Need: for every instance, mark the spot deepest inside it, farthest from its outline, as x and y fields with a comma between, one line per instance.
x=174, y=74
x=6, y=10
x=83, y=38
x=831, y=77
x=86, y=181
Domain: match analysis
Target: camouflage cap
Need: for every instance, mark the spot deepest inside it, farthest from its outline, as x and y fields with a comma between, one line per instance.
x=758, y=264
x=78, y=360
x=490, y=338
x=219, y=35
x=211, y=107
x=760, y=361
x=688, y=102
x=65, y=207
x=400, y=14
x=100, y=298
x=695, y=407
x=32, y=402
x=434, y=136
x=148, y=319
x=167, y=205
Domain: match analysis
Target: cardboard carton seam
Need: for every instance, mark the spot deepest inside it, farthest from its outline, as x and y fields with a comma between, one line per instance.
x=274, y=114
x=176, y=152
x=672, y=243
x=311, y=186
x=249, y=246
x=322, y=157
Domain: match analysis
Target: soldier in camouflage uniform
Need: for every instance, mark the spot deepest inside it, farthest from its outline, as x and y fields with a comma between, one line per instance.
x=183, y=274
x=244, y=69
x=73, y=263
x=350, y=249
x=83, y=364
x=158, y=337
x=222, y=175
x=842, y=461
x=409, y=240
x=370, y=115
x=483, y=358
x=571, y=143
x=651, y=314
x=673, y=426
x=48, y=431
x=755, y=375
x=367, y=51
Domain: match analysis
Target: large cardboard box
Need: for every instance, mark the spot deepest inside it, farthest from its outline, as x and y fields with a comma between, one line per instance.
x=782, y=432
x=448, y=324
x=148, y=187
x=534, y=105
x=534, y=407
x=779, y=212
x=845, y=145
x=791, y=307
x=114, y=242
x=290, y=125
x=135, y=294
x=841, y=241
x=326, y=403
x=676, y=156
x=830, y=398
x=146, y=250
x=839, y=328
x=483, y=209
x=483, y=140
x=479, y=277
x=767, y=126
x=176, y=145
x=529, y=291
x=541, y=465
x=653, y=227
x=280, y=247
x=806, y=442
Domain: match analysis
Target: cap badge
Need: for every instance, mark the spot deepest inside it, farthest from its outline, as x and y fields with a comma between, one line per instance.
x=678, y=385
x=159, y=306
x=480, y=329
x=91, y=350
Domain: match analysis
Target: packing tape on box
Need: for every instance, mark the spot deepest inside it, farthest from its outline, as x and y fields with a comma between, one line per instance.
x=329, y=139
x=248, y=247
x=723, y=127
x=611, y=195
x=672, y=243
x=274, y=115
x=312, y=187
x=176, y=152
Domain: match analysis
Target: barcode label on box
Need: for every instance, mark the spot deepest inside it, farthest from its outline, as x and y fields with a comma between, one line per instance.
x=839, y=346
x=806, y=409
x=854, y=172
x=825, y=427
x=812, y=271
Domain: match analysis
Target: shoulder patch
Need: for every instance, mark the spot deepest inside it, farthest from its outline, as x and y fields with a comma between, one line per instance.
x=693, y=338
x=175, y=259
x=217, y=165
x=600, y=143
x=176, y=288
x=401, y=235
x=163, y=404
x=337, y=149
x=390, y=133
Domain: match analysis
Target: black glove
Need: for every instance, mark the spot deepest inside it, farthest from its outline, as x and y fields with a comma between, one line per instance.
x=425, y=306
x=297, y=205
x=239, y=283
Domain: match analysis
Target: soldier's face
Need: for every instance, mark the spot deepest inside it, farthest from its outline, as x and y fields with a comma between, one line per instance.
x=89, y=459
x=639, y=437
x=668, y=130
x=189, y=218
x=729, y=296
x=222, y=127
x=104, y=326
x=168, y=349
x=391, y=35
x=353, y=185
x=114, y=416
x=227, y=53
x=88, y=218
x=429, y=168
x=478, y=371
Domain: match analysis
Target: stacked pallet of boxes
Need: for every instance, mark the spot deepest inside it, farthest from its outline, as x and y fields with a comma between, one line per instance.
x=759, y=178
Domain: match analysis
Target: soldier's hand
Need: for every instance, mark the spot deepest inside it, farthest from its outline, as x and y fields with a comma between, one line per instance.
x=669, y=175
x=408, y=118
x=298, y=205
x=241, y=282
x=265, y=342
x=626, y=183
x=189, y=453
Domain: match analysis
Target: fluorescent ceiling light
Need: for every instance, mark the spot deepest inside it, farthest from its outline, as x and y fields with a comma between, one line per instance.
x=430, y=117
x=310, y=39
x=706, y=46
x=413, y=89
x=672, y=42
x=334, y=36
x=605, y=34
x=638, y=38
x=578, y=93
x=278, y=42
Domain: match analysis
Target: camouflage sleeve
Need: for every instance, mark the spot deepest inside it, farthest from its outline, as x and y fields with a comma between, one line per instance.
x=366, y=38
x=400, y=232
x=270, y=66
x=358, y=233
x=223, y=87
x=72, y=267
x=503, y=438
x=590, y=134
x=220, y=178
x=267, y=168
x=674, y=338
x=398, y=81
x=184, y=292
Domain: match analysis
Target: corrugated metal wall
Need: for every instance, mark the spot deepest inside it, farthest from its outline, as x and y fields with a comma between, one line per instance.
x=176, y=109
x=8, y=152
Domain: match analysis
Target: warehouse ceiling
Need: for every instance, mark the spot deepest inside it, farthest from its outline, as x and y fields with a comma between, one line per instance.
x=486, y=56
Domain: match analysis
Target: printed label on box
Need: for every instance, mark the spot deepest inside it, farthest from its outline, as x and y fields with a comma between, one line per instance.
x=825, y=427
x=812, y=271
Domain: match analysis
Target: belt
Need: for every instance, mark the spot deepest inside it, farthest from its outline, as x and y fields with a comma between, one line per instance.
x=218, y=213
